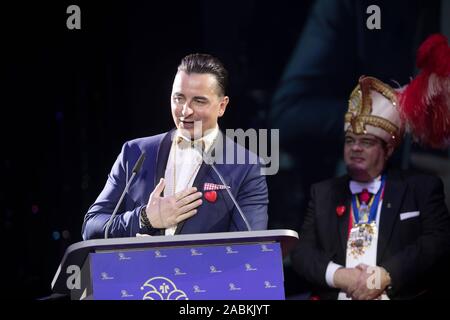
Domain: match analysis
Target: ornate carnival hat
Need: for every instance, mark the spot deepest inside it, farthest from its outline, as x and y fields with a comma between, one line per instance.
x=373, y=109
x=421, y=108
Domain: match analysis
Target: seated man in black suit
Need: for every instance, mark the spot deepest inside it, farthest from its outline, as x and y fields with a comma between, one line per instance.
x=377, y=233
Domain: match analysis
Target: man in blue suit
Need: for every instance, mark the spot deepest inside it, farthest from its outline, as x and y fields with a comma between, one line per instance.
x=176, y=191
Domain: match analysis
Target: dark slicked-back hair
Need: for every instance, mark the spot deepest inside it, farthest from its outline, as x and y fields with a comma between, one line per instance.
x=205, y=63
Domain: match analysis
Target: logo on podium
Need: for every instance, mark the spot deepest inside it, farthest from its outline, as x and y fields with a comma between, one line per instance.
x=178, y=272
x=194, y=252
x=213, y=269
x=197, y=289
x=122, y=256
x=268, y=285
x=233, y=287
x=158, y=254
x=162, y=288
x=105, y=276
x=124, y=294
x=248, y=267
x=265, y=248
x=230, y=250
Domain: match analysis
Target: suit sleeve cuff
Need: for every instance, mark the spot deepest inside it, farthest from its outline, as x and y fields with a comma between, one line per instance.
x=329, y=274
x=141, y=224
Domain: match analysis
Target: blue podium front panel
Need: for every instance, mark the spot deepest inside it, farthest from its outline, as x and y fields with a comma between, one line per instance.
x=225, y=272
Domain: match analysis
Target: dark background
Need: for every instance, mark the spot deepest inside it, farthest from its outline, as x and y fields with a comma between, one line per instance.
x=72, y=98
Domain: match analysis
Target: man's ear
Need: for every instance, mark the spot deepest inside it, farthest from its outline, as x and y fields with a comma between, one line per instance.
x=223, y=105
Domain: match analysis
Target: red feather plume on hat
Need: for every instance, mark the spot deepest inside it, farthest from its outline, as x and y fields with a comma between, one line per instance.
x=425, y=103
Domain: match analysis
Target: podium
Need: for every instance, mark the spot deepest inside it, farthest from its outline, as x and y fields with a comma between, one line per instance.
x=209, y=266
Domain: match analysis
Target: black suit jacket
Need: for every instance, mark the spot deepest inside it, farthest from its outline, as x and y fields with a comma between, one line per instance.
x=414, y=251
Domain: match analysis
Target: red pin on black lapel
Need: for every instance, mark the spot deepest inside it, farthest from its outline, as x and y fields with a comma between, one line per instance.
x=340, y=210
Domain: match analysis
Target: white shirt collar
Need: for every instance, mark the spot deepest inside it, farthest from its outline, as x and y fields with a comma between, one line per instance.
x=372, y=186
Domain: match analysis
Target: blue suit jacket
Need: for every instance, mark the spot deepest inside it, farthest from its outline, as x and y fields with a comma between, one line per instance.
x=247, y=185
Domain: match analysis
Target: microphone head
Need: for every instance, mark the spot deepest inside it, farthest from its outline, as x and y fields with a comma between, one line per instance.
x=138, y=165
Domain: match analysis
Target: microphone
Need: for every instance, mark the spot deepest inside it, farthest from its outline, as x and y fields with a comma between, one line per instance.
x=222, y=180
x=137, y=167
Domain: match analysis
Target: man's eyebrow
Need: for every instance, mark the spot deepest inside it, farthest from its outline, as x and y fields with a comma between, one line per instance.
x=368, y=139
x=200, y=98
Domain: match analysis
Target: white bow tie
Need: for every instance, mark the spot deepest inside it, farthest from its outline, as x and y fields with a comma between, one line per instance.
x=372, y=186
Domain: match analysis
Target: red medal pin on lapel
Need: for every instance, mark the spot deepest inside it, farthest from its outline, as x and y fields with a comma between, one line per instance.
x=211, y=196
x=340, y=210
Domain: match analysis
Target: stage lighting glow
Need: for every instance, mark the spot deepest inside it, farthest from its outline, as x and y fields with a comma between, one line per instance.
x=56, y=235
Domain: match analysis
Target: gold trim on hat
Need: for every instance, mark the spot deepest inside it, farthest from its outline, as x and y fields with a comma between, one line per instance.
x=360, y=107
x=358, y=124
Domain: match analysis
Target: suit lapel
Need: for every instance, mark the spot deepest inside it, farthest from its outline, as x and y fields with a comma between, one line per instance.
x=393, y=197
x=163, y=156
x=161, y=159
x=342, y=198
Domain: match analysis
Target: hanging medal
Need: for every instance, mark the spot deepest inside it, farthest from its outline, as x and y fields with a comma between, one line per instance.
x=364, y=228
x=363, y=213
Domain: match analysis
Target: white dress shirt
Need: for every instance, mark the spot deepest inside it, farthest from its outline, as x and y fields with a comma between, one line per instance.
x=370, y=256
x=184, y=162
